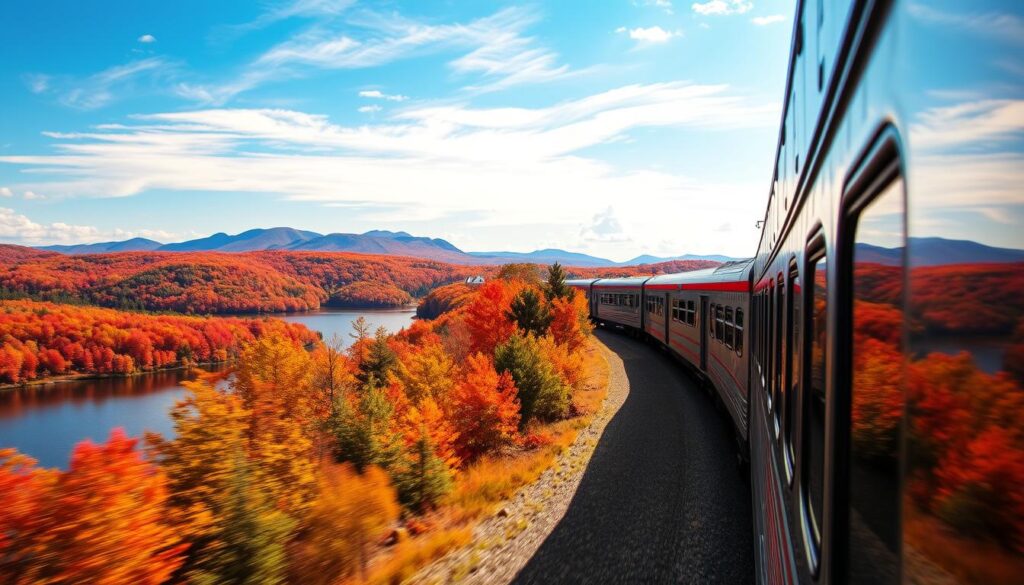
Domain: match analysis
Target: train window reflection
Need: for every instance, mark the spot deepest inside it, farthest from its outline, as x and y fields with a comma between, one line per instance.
x=813, y=426
x=876, y=396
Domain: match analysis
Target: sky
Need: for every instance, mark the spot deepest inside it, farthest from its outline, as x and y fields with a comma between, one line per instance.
x=615, y=128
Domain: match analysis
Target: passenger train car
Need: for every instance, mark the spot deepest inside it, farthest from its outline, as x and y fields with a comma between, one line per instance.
x=871, y=354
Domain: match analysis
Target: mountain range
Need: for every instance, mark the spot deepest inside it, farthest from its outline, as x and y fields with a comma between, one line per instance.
x=372, y=242
x=938, y=251
x=924, y=251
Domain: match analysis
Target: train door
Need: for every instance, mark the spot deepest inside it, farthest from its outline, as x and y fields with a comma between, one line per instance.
x=704, y=319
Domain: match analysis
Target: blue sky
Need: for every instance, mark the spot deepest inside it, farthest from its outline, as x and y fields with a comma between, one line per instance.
x=616, y=128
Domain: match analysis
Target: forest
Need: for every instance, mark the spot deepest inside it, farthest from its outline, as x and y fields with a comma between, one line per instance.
x=247, y=282
x=313, y=465
x=42, y=339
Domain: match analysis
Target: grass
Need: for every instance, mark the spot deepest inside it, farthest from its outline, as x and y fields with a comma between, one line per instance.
x=405, y=558
x=490, y=481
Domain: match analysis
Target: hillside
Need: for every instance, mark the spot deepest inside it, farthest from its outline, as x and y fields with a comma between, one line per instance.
x=246, y=282
x=211, y=282
x=48, y=339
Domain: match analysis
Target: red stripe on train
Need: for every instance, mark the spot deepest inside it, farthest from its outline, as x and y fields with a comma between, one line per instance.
x=719, y=286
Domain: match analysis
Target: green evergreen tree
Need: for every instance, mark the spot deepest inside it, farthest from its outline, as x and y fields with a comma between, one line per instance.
x=530, y=313
x=542, y=394
x=251, y=544
x=379, y=363
x=363, y=435
x=555, y=287
x=424, y=478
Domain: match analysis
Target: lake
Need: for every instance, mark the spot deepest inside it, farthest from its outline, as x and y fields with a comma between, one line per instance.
x=45, y=422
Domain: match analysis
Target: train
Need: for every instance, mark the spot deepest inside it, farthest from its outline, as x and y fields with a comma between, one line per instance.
x=860, y=350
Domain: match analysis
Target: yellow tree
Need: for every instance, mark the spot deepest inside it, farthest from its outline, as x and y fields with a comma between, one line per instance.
x=350, y=512
x=208, y=426
x=274, y=380
x=225, y=504
x=427, y=371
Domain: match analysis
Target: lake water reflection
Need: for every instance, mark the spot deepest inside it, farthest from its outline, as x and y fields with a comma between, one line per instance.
x=47, y=421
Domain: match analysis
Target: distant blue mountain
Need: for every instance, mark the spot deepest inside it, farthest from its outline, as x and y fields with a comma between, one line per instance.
x=132, y=245
x=255, y=239
x=938, y=251
x=649, y=259
x=546, y=256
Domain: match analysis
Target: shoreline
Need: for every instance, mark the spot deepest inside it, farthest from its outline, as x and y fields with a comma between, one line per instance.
x=68, y=378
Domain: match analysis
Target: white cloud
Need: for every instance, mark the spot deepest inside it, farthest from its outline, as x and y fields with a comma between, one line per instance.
x=296, y=9
x=649, y=35
x=497, y=166
x=147, y=39
x=32, y=196
x=722, y=7
x=972, y=122
x=1005, y=25
x=605, y=227
x=20, y=229
x=372, y=109
x=104, y=87
x=37, y=82
x=665, y=5
x=498, y=53
x=379, y=95
x=6, y=192
x=766, y=20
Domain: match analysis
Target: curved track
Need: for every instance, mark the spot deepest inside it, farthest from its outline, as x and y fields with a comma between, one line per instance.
x=662, y=499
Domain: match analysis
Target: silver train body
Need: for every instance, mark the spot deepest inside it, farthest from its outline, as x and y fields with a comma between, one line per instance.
x=871, y=353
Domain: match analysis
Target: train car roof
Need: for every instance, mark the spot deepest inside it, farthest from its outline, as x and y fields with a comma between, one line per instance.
x=580, y=281
x=632, y=281
x=730, y=273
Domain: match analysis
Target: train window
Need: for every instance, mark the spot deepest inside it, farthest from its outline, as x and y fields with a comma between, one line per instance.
x=813, y=426
x=691, y=313
x=769, y=361
x=739, y=331
x=719, y=326
x=777, y=389
x=877, y=403
x=711, y=321
x=729, y=331
x=793, y=371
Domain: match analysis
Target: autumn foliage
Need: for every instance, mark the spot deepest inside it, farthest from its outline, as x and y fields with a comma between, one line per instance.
x=298, y=464
x=46, y=339
x=964, y=437
x=211, y=282
x=107, y=519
